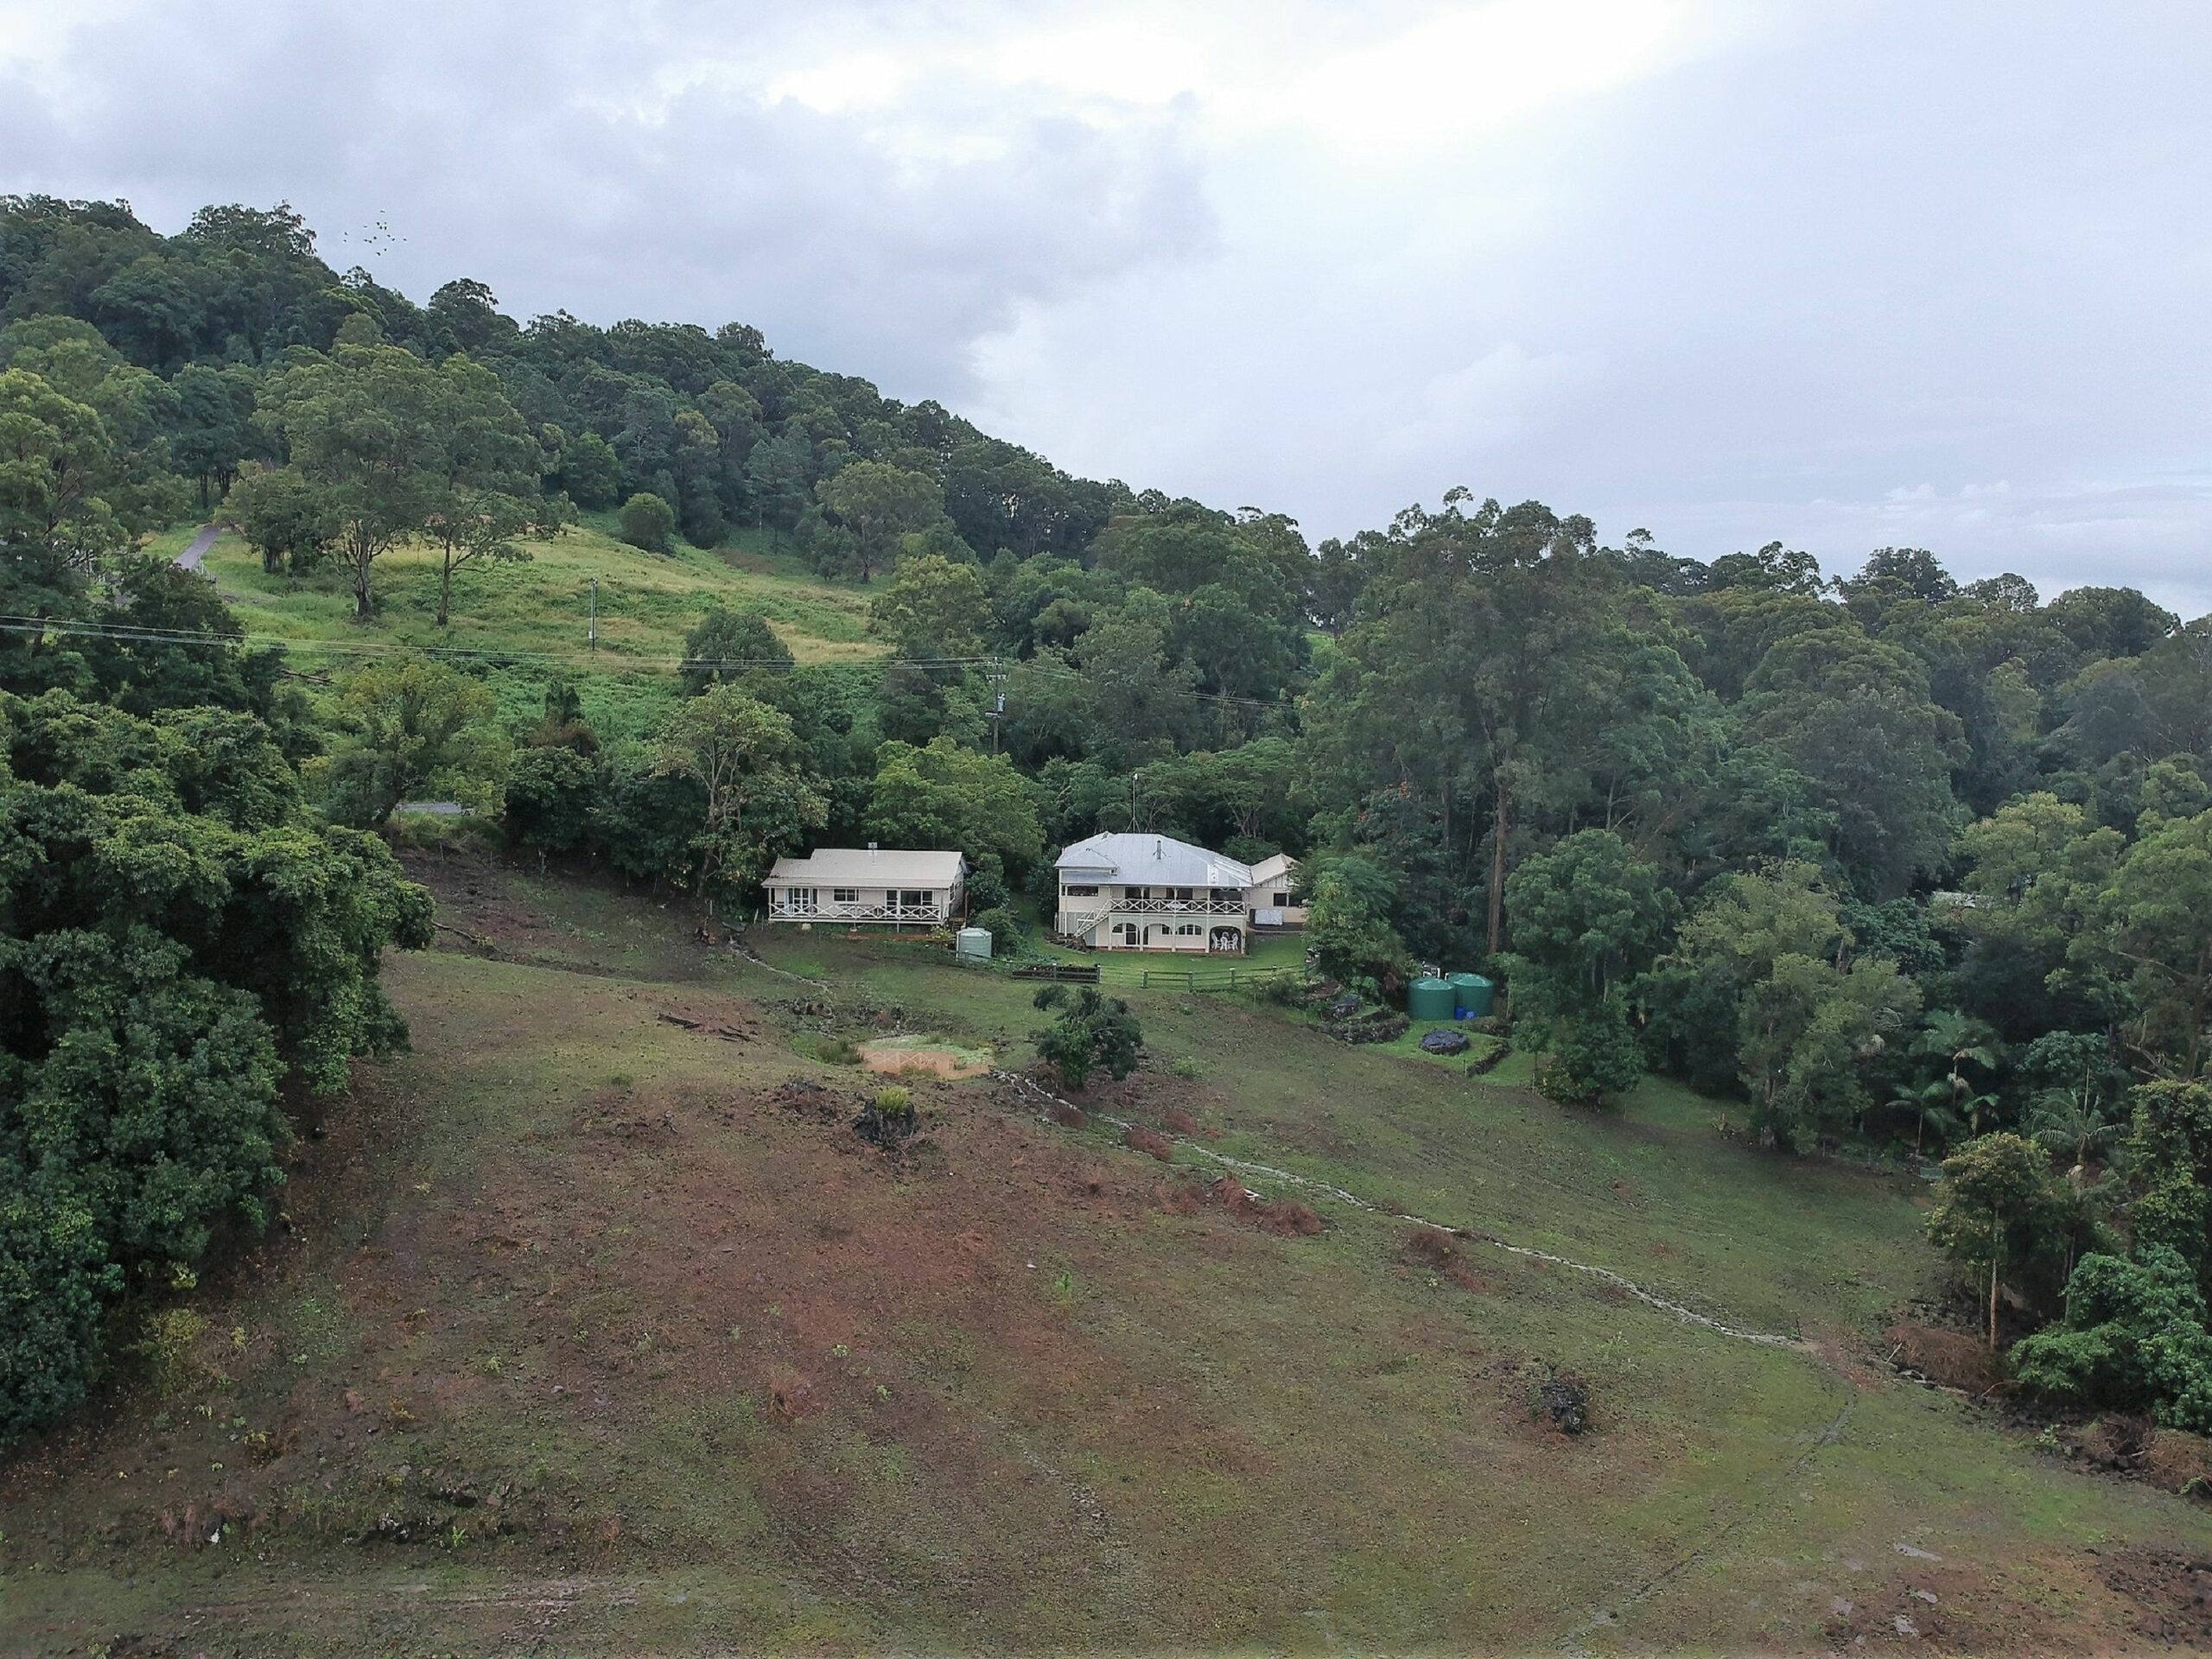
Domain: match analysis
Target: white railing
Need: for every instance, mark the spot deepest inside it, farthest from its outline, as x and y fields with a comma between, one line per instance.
x=793, y=910
x=1173, y=906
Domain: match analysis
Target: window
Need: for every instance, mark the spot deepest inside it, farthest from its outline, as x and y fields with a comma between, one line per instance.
x=1282, y=901
x=1080, y=893
x=1126, y=930
x=1190, y=930
x=800, y=896
x=1180, y=893
x=917, y=901
x=844, y=895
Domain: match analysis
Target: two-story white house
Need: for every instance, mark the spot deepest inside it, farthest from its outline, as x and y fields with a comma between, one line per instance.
x=870, y=887
x=1152, y=892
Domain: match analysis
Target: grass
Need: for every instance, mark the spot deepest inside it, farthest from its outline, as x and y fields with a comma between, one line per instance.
x=532, y=618
x=1128, y=968
x=1018, y=1386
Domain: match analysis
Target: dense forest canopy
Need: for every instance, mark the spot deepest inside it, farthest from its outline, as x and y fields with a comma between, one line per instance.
x=1896, y=864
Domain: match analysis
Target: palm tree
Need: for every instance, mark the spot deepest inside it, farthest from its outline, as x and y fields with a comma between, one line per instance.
x=1960, y=1040
x=1929, y=1102
x=2066, y=1118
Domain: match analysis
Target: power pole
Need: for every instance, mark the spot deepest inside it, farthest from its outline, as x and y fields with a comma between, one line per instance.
x=998, y=713
x=591, y=633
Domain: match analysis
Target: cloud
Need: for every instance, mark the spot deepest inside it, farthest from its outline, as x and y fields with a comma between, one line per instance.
x=1733, y=269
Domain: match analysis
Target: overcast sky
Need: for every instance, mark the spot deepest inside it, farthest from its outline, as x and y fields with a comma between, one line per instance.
x=1844, y=274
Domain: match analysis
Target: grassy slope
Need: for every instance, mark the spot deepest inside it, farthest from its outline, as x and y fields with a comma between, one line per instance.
x=584, y=1334
x=536, y=612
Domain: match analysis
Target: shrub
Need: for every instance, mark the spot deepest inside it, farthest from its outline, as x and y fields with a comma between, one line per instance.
x=1005, y=928
x=648, y=521
x=1092, y=1031
x=895, y=1102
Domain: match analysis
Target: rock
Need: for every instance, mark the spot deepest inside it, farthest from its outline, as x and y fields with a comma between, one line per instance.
x=1445, y=1042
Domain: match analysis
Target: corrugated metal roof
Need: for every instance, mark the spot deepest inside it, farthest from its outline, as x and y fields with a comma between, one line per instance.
x=1154, y=860
x=862, y=867
x=1273, y=865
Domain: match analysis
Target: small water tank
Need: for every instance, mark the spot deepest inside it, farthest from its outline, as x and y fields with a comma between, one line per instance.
x=1474, y=993
x=1429, y=998
x=974, y=942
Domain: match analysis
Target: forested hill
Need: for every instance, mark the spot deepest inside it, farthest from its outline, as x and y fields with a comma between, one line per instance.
x=1886, y=861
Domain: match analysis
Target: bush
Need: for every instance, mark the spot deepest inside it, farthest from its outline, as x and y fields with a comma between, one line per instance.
x=1092, y=1032
x=895, y=1102
x=987, y=887
x=1007, y=934
x=648, y=521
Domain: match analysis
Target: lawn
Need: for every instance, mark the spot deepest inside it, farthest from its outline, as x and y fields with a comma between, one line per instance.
x=594, y=1327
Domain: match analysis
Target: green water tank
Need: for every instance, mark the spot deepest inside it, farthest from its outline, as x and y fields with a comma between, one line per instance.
x=1474, y=995
x=1431, y=999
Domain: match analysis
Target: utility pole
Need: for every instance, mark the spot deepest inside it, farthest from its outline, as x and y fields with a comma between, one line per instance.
x=997, y=678
x=591, y=632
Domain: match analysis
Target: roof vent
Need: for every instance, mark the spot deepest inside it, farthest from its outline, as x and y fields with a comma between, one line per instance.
x=1159, y=850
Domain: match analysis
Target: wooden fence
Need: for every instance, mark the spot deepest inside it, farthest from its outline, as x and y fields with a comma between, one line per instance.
x=1212, y=979
x=1072, y=973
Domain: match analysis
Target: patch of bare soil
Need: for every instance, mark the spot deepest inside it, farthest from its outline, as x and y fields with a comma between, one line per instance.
x=899, y=1060
x=2171, y=1594
x=1439, y=1252
x=1286, y=1218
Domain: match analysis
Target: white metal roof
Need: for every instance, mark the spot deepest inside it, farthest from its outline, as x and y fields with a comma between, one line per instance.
x=1272, y=867
x=868, y=867
x=1152, y=861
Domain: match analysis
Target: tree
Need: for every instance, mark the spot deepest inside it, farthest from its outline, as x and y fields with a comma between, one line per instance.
x=1958, y=1041
x=731, y=646
x=55, y=460
x=1345, y=929
x=1587, y=917
x=362, y=426
x=931, y=608
x=1992, y=1206
x=471, y=525
x=1806, y=1029
x=2154, y=920
x=648, y=521
x=2169, y=1157
x=590, y=472
x=1853, y=715
x=943, y=796
x=880, y=503
x=1480, y=667
x=1091, y=1033
x=489, y=497
x=175, y=932
x=2135, y=1338
x=759, y=805
x=213, y=431
x=412, y=730
x=282, y=517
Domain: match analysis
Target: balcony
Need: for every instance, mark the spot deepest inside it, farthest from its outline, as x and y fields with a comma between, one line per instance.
x=1211, y=905
x=781, y=910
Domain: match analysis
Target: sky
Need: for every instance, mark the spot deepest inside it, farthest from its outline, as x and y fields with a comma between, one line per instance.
x=1844, y=275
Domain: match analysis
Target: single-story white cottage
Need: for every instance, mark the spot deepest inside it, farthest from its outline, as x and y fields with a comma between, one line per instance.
x=870, y=887
x=1153, y=893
